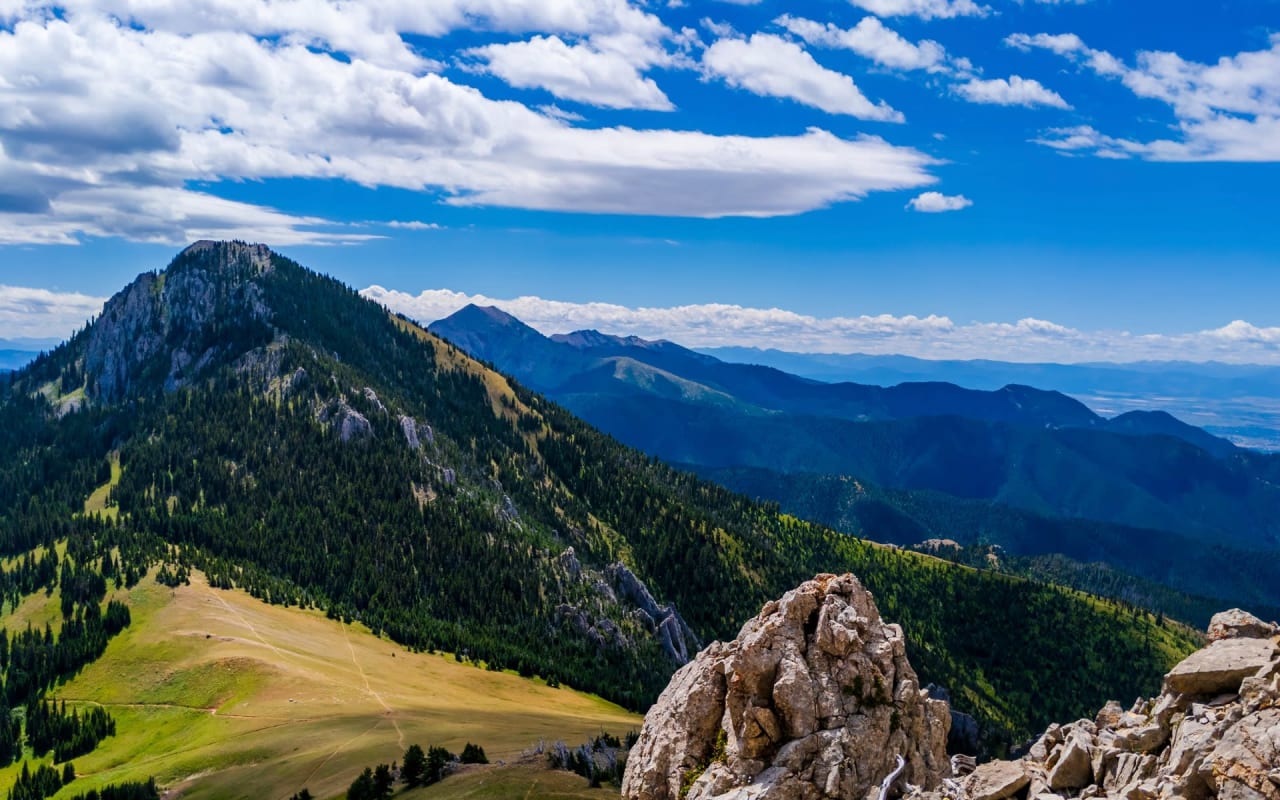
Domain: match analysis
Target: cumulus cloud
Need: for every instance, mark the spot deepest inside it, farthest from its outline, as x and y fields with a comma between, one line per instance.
x=771, y=66
x=585, y=72
x=937, y=202
x=924, y=9
x=105, y=122
x=870, y=38
x=371, y=30
x=27, y=313
x=720, y=325
x=1228, y=110
x=1014, y=91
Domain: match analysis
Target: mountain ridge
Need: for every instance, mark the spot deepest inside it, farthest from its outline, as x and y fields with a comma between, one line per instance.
x=1042, y=453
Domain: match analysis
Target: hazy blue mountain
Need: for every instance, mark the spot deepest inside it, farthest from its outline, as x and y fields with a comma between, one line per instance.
x=592, y=362
x=14, y=359
x=1024, y=450
x=1146, y=377
x=1240, y=402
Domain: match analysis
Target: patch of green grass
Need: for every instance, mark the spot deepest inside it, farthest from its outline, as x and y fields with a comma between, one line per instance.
x=214, y=692
x=99, y=501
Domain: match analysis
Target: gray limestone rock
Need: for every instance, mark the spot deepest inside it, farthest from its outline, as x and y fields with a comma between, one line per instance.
x=1221, y=667
x=815, y=698
x=1237, y=624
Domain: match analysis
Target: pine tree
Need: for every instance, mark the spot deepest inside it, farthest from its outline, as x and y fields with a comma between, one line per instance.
x=415, y=766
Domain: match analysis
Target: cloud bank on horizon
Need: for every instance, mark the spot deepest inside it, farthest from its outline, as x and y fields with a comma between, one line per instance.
x=40, y=314
x=932, y=337
x=128, y=119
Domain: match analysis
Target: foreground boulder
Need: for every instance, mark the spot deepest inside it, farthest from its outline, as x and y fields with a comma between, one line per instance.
x=1214, y=732
x=814, y=699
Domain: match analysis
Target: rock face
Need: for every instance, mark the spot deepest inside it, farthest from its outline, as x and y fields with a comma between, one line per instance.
x=678, y=639
x=349, y=423
x=172, y=313
x=1214, y=732
x=814, y=699
x=1221, y=666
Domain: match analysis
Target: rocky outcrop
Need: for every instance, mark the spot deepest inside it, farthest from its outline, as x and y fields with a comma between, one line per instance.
x=814, y=699
x=349, y=423
x=1214, y=732
x=677, y=638
x=159, y=327
x=414, y=433
x=1220, y=667
x=1237, y=624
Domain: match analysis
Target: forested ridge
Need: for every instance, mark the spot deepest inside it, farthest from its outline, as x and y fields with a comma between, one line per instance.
x=300, y=442
x=1089, y=554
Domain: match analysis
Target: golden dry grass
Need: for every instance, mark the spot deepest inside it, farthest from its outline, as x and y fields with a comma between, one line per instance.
x=219, y=695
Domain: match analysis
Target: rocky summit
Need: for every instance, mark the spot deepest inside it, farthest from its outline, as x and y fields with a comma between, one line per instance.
x=815, y=698
x=1214, y=732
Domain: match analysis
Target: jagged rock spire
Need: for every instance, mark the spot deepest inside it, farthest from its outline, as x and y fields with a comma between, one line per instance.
x=815, y=698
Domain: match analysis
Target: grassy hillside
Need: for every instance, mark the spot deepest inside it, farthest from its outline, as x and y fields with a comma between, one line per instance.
x=214, y=691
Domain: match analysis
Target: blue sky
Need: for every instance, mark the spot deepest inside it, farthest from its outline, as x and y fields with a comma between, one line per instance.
x=910, y=176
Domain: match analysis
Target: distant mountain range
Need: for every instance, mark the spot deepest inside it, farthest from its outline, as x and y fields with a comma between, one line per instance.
x=1238, y=401
x=17, y=353
x=15, y=359
x=1152, y=377
x=1041, y=453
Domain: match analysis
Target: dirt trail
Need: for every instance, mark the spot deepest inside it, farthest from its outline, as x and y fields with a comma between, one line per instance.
x=391, y=714
x=311, y=775
x=212, y=710
x=245, y=622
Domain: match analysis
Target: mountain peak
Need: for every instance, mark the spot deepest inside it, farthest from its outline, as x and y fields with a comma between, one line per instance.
x=591, y=338
x=224, y=255
x=207, y=306
x=490, y=314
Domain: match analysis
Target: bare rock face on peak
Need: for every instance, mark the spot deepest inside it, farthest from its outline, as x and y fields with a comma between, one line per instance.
x=814, y=699
x=1214, y=732
x=166, y=325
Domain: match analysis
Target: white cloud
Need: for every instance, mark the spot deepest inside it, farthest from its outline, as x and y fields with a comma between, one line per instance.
x=1086, y=138
x=771, y=66
x=1068, y=44
x=412, y=225
x=924, y=9
x=581, y=72
x=104, y=125
x=40, y=313
x=717, y=325
x=1226, y=111
x=937, y=202
x=371, y=29
x=871, y=39
x=1015, y=91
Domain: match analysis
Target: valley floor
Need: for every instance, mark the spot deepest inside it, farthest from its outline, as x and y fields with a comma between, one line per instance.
x=219, y=695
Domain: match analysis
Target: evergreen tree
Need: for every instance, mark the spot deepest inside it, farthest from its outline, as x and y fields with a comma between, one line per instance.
x=473, y=754
x=414, y=769
x=363, y=788
x=383, y=783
